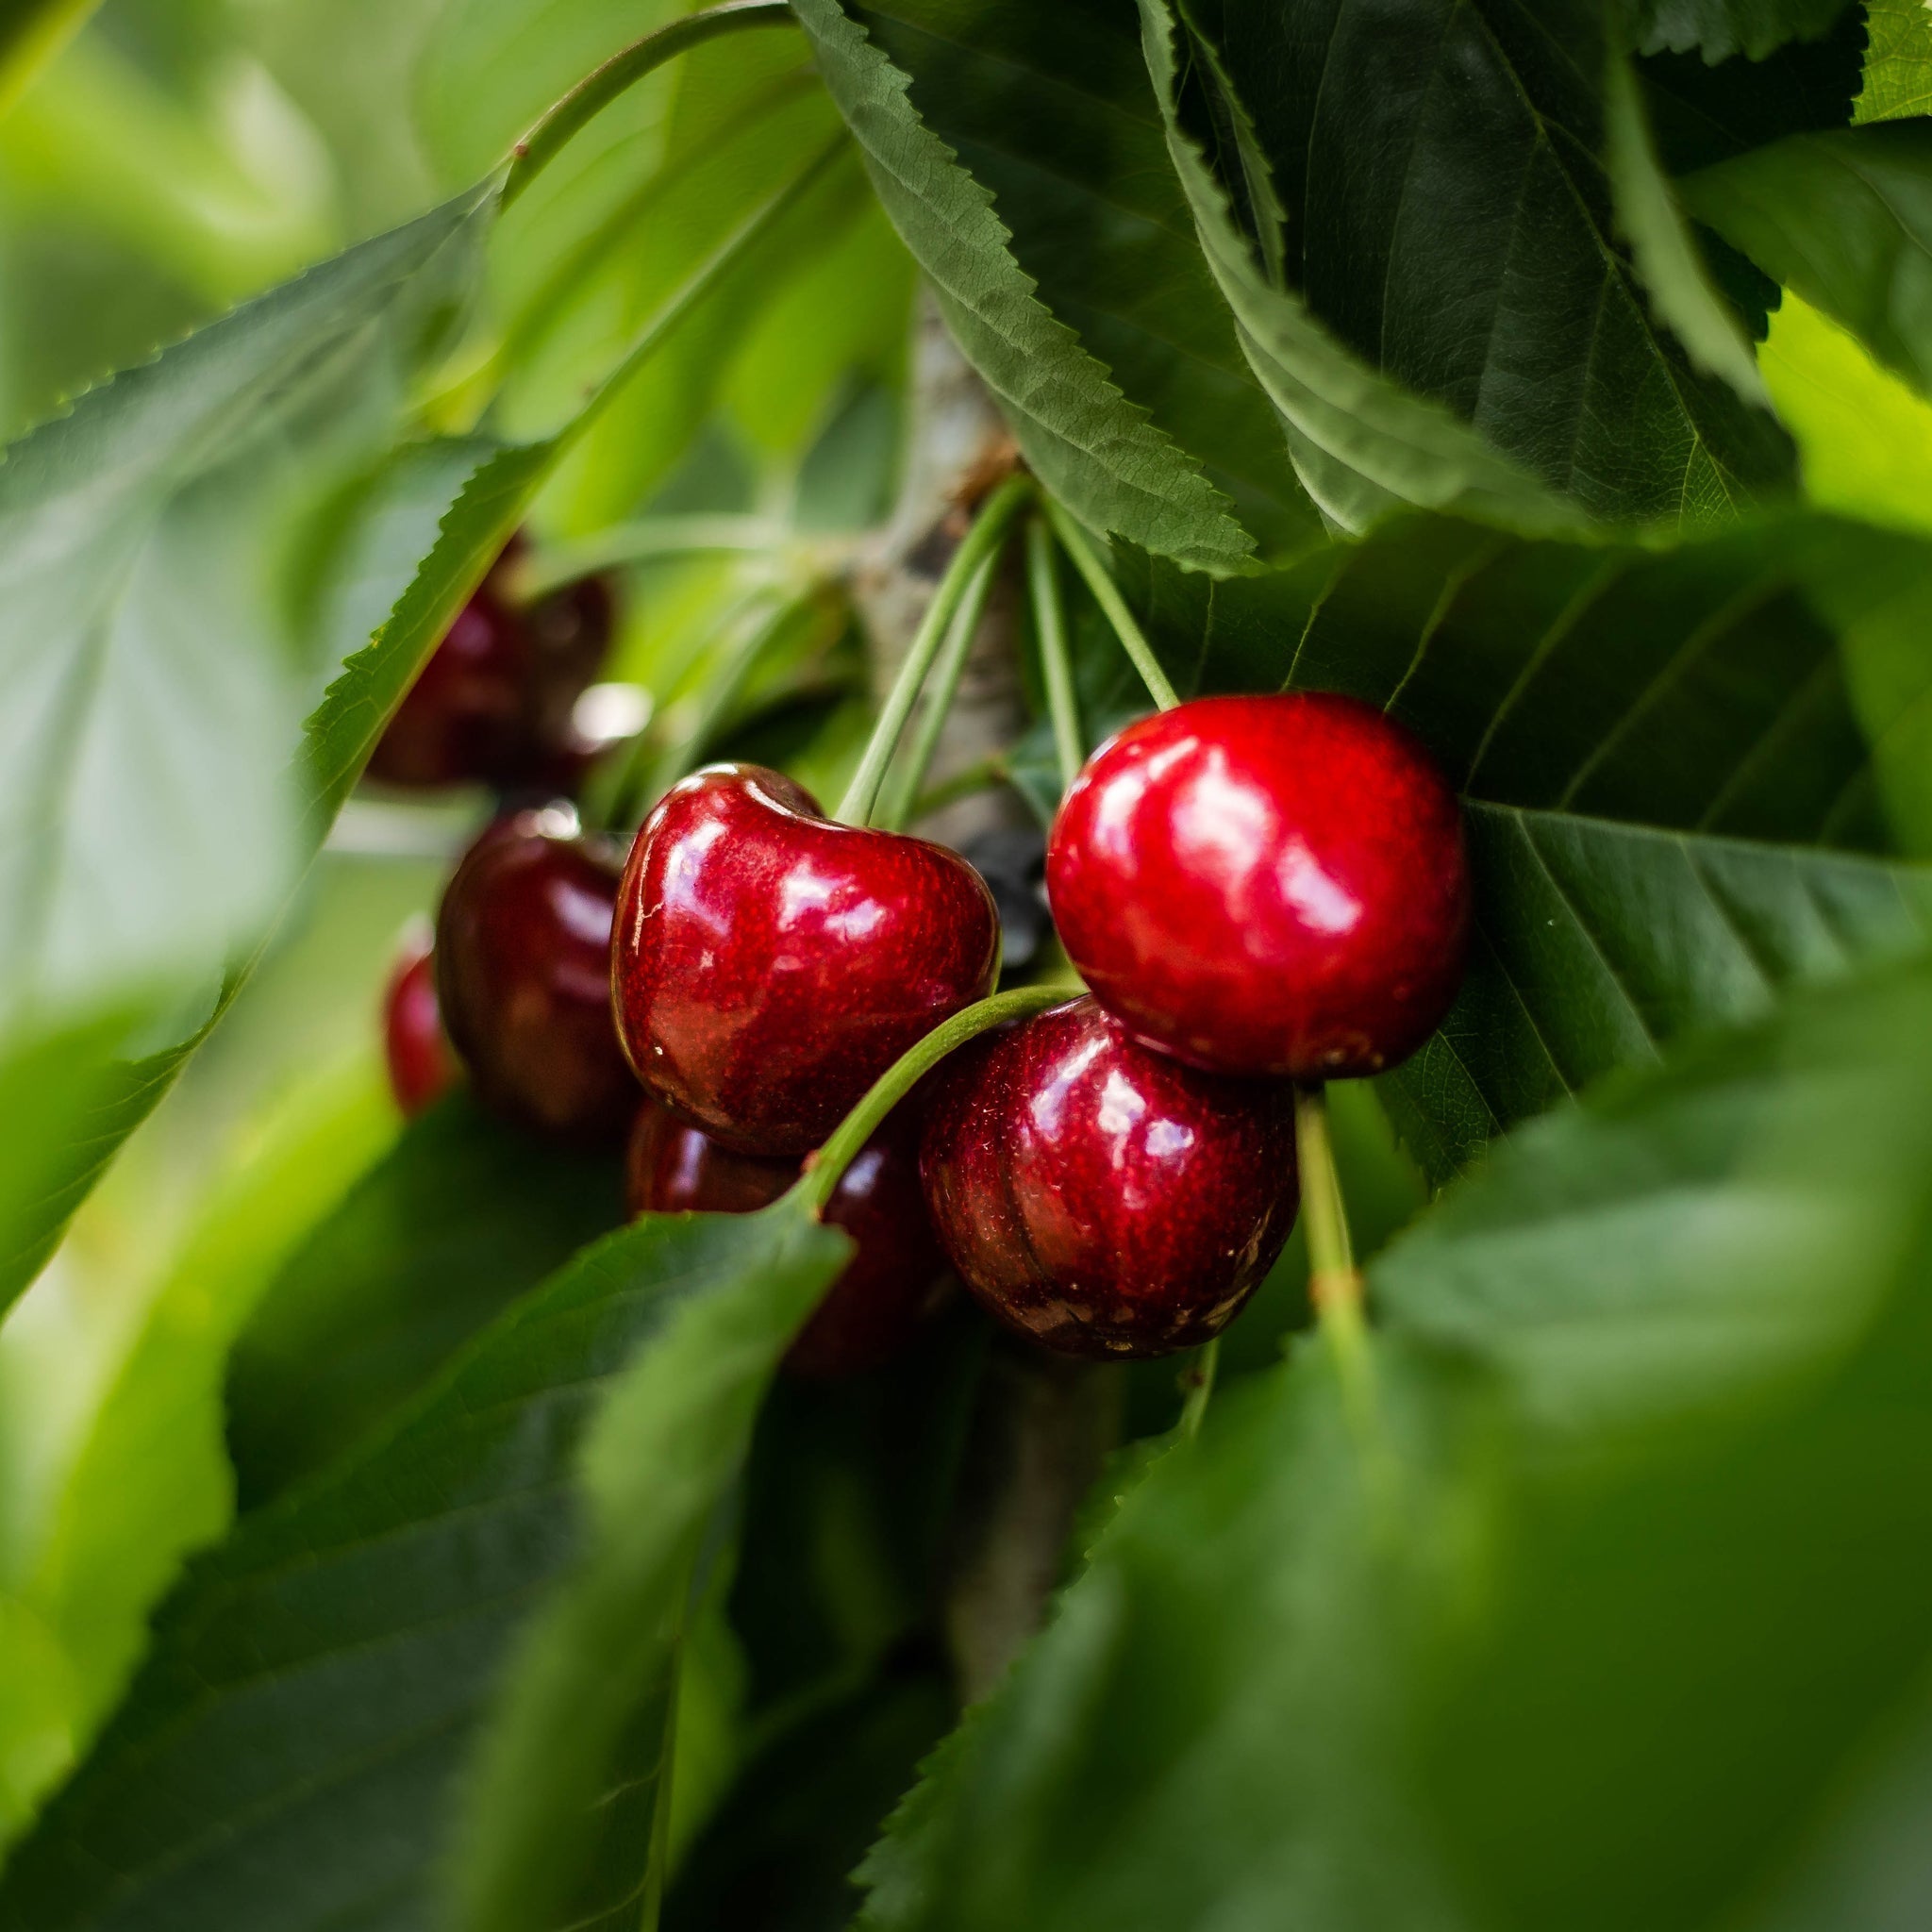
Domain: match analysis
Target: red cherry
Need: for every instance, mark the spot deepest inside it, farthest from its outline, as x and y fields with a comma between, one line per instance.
x=1101, y=1198
x=1266, y=885
x=889, y=1288
x=771, y=963
x=422, y=1063
x=494, y=701
x=522, y=971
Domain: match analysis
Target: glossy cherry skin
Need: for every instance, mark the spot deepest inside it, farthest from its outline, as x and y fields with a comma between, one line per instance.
x=1271, y=885
x=423, y=1065
x=889, y=1288
x=1102, y=1198
x=772, y=963
x=492, y=705
x=523, y=973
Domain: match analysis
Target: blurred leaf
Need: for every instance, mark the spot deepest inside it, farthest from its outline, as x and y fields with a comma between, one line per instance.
x=158, y=670
x=320, y=1686
x=32, y=32
x=1423, y=152
x=1864, y=436
x=1362, y=445
x=1091, y=448
x=147, y=1481
x=1844, y=219
x=1049, y=107
x=1719, y=28
x=1898, y=64
x=1385, y=1658
x=1655, y=745
x=432, y=1243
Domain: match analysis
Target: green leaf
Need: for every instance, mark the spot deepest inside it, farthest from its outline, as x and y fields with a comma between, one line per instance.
x=146, y=1481
x=1845, y=218
x=1049, y=108
x=1898, y=61
x=1423, y=154
x=1660, y=749
x=1646, y=1435
x=434, y=1241
x=1090, y=446
x=1362, y=445
x=1719, y=28
x=502, y=1571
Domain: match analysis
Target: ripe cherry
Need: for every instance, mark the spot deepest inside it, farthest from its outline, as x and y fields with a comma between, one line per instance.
x=1103, y=1199
x=494, y=701
x=1266, y=885
x=889, y=1288
x=422, y=1063
x=522, y=971
x=771, y=963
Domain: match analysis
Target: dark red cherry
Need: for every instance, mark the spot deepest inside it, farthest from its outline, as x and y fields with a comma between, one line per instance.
x=493, y=703
x=422, y=1064
x=889, y=1288
x=1103, y=1199
x=1266, y=885
x=522, y=971
x=771, y=963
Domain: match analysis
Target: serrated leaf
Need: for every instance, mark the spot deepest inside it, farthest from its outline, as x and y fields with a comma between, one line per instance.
x=297, y=1748
x=1424, y=155
x=1090, y=446
x=1049, y=108
x=1898, y=61
x=1660, y=748
x=433, y=1242
x=1643, y=1434
x=1719, y=28
x=1845, y=218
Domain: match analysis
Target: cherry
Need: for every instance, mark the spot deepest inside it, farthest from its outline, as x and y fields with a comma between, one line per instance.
x=894, y=1281
x=771, y=963
x=493, y=703
x=422, y=1063
x=1268, y=884
x=1102, y=1198
x=522, y=971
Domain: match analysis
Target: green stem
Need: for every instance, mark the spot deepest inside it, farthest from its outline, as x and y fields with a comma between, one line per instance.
x=1335, y=1284
x=1056, y=667
x=1001, y=507
x=902, y=793
x=1200, y=1386
x=1074, y=540
x=598, y=89
x=899, y=1079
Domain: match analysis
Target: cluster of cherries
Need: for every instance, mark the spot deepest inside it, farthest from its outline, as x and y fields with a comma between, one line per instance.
x=1259, y=891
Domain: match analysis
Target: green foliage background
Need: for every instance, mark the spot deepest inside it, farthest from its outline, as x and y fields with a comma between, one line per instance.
x=1580, y=414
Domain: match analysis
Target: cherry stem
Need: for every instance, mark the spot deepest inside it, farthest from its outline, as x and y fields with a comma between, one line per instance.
x=602, y=85
x=828, y=1167
x=902, y=793
x=1057, y=669
x=1001, y=507
x=1106, y=593
x=1200, y=1386
x=1335, y=1283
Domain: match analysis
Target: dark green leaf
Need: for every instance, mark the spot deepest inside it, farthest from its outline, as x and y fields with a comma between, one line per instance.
x=1719, y=28
x=1425, y=155
x=433, y=1242
x=1845, y=218
x=1049, y=107
x=1363, y=444
x=1091, y=448
x=304, y=1730
x=1657, y=746
x=1419, y=1649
